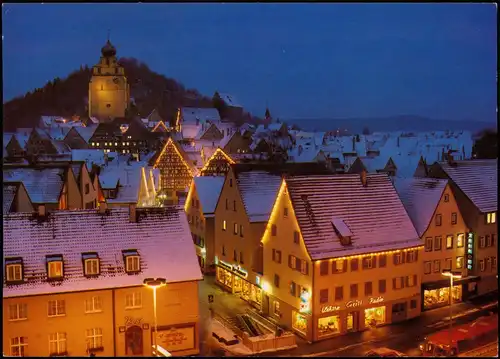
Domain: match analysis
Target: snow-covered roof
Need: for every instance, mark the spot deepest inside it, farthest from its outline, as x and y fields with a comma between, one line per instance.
x=160, y=236
x=209, y=189
x=44, y=185
x=230, y=100
x=478, y=179
x=420, y=196
x=58, y=133
x=128, y=175
x=374, y=164
x=258, y=191
x=9, y=192
x=374, y=214
x=90, y=156
x=22, y=136
x=191, y=114
x=86, y=132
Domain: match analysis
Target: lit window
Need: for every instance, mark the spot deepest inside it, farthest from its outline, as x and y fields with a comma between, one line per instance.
x=105, y=143
x=55, y=267
x=93, y=143
x=18, y=311
x=57, y=343
x=19, y=346
x=132, y=261
x=56, y=308
x=460, y=240
x=460, y=262
x=224, y=225
x=91, y=264
x=491, y=217
x=13, y=269
x=93, y=305
x=123, y=143
x=235, y=230
x=449, y=241
x=133, y=300
x=128, y=143
x=123, y=151
x=97, y=144
x=94, y=338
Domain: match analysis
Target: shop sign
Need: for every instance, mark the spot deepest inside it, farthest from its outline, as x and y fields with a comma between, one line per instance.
x=470, y=250
x=240, y=271
x=226, y=265
x=354, y=303
x=376, y=300
x=305, y=301
x=129, y=321
x=176, y=339
x=330, y=308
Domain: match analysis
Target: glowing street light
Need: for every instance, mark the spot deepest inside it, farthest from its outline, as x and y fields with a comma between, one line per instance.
x=457, y=275
x=155, y=283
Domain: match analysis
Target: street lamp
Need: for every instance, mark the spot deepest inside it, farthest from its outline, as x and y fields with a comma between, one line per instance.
x=155, y=283
x=457, y=275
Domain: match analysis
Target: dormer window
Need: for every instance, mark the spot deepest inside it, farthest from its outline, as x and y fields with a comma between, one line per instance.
x=55, y=269
x=342, y=231
x=13, y=270
x=91, y=263
x=132, y=261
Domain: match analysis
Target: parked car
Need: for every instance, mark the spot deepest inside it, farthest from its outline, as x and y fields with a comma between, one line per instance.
x=383, y=353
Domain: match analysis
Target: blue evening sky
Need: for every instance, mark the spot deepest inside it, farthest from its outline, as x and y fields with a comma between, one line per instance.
x=305, y=60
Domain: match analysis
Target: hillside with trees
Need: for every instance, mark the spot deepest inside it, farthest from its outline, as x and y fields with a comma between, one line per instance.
x=69, y=96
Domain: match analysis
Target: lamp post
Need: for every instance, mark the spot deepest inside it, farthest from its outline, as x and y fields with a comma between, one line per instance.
x=155, y=283
x=457, y=275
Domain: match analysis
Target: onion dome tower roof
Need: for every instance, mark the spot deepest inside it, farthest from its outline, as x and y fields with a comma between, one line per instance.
x=108, y=50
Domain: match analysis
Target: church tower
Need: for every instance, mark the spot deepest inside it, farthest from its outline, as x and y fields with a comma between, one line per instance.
x=109, y=92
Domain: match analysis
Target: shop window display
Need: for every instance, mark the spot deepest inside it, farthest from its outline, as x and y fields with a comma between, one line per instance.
x=228, y=278
x=245, y=293
x=350, y=322
x=299, y=322
x=328, y=326
x=440, y=296
x=237, y=284
x=255, y=294
x=374, y=316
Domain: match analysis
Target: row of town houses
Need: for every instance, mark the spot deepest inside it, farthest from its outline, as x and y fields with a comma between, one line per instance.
x=291, y=235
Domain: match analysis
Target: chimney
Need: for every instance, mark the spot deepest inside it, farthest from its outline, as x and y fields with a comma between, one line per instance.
x=132, y=211
x=103, y=207
x=364, y=181
x=42, y=211
x=449, y=157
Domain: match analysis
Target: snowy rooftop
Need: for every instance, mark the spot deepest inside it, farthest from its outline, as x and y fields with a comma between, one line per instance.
x=478, y=179
x=420, y=196
x=191, y=114
x=230, y=100
x=86, y=132
x=373, y=214
x=127, y=174
x=209, y=189
x=161, y=237
x=58, y=133
x=258, y=190
x=9, y=192
x=44, y=185
x=90, y=156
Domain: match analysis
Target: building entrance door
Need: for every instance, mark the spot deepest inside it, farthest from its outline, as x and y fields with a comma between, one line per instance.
x=133, y=341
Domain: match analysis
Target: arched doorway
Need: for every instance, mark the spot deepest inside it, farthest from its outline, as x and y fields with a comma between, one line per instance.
x=133, y=341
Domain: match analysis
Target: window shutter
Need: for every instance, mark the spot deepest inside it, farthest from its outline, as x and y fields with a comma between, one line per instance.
x=403, y=282
x=414, y=279
x=393, y=283
x=408, y=256
x=290, y=258
x=298, y=264
x=407, y=281
x=374, y=261
x=274, y=254
x=403, y=258
x=345, y=265
x=416, y=255
x=354, y=264
x=334, y=267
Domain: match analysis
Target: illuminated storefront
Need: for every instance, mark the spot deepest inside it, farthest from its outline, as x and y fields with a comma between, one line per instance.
x=441, y=296
x=299, y=322
x=329, y=326
x=234, y=279
x=375, y=317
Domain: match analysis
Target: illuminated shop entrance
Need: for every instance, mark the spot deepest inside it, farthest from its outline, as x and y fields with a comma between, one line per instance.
x=352, y=322
x=328, y=326
x=439, y=297
x=234, y=282
x=299, y=322
x=374, y=316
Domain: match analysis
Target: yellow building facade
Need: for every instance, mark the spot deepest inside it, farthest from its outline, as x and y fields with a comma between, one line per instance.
x=107, y=321
x=109, y=92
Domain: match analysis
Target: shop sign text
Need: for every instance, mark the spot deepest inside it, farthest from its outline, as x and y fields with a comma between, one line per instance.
x=130, y=321
x=330, y=308
x=354, y=303
x=376, y=300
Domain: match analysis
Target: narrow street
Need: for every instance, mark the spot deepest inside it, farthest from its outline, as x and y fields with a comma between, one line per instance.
x=404, y=337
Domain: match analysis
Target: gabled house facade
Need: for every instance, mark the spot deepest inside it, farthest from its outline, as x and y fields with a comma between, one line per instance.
x=474, y=184
x=432, y=207
x=74, y=139
x=200, y=210
x=16, y=198
x=329, y=265
x=217, y=165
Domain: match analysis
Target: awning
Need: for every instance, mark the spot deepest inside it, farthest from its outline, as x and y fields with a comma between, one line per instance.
x=446, y=282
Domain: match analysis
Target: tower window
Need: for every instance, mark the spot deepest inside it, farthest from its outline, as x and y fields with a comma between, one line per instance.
x=108, y=105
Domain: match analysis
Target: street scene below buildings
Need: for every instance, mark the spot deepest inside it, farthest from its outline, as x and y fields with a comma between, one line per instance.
x=405, y=337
